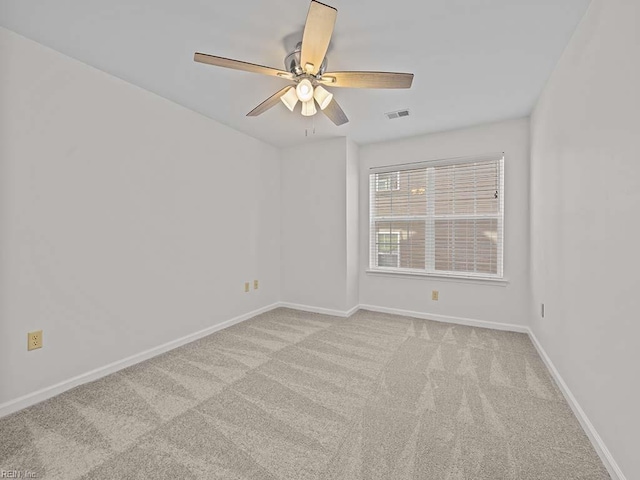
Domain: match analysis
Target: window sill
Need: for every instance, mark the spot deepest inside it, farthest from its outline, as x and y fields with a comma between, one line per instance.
x=500, y=282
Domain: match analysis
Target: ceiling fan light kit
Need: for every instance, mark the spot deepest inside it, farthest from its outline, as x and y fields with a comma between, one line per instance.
x=307, y=65
x=309, y=108
x=322, y=96
x=304, y=90
x=290, y=99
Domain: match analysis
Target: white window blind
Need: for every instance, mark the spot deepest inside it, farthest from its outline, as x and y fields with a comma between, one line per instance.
x=443, y=218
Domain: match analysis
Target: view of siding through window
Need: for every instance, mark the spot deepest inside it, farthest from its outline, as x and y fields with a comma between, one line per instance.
x=445, y=218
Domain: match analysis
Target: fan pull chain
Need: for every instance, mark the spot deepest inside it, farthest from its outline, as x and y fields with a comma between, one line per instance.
x=311, y=120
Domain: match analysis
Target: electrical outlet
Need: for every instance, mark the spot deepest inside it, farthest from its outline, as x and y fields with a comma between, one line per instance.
x=434, y=295
x=255, y=284
x=34, y=340
x=246, y=286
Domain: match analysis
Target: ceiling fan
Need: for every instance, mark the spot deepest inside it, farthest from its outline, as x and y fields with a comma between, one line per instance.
x=306, y=67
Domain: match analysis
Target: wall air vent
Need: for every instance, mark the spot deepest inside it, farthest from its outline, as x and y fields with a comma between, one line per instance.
x=397, y=114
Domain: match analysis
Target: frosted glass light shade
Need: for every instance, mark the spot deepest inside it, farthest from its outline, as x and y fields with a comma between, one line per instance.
x=290, y=99
x=304, y=90
x=309, y=108
x=323, y=97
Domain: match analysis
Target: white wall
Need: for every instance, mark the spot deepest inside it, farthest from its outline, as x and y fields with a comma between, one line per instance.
x=353, y=224
x=487, y=302
x=585, y=198
x=314, y=224
x=126, y=221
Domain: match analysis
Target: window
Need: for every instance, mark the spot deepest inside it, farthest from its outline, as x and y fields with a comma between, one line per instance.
x=385, y=182
x=440, y=218
x=388, y=248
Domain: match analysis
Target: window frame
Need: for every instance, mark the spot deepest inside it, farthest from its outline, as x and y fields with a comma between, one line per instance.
x=430, y=218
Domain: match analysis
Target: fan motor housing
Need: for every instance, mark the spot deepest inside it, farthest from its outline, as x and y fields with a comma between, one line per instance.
x=292, y=63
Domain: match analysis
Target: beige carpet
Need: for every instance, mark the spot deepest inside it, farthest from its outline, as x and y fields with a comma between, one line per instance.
x=293, y=395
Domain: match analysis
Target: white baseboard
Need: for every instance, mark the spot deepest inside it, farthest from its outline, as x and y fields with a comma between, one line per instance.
x=322, y=310
x=601, y=449
x=471, y=322
x=36, y=397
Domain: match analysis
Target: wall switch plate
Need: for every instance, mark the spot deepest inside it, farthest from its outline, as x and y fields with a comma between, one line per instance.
x=255, y=284
x=246, y=286
x=34, y=340
x=434, y=295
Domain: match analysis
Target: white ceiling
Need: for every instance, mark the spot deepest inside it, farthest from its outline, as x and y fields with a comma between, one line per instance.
x=474, y=61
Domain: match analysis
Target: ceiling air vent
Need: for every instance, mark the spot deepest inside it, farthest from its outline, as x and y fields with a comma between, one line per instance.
x=397, y=114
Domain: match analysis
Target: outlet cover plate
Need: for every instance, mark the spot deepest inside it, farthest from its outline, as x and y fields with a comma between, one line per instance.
x=34, y=340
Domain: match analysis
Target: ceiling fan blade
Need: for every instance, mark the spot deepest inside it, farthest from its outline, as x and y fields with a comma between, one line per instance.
x=317, y=35
x=335, y=113
x=367, y=79
x=238, y=65
x=269, y=102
